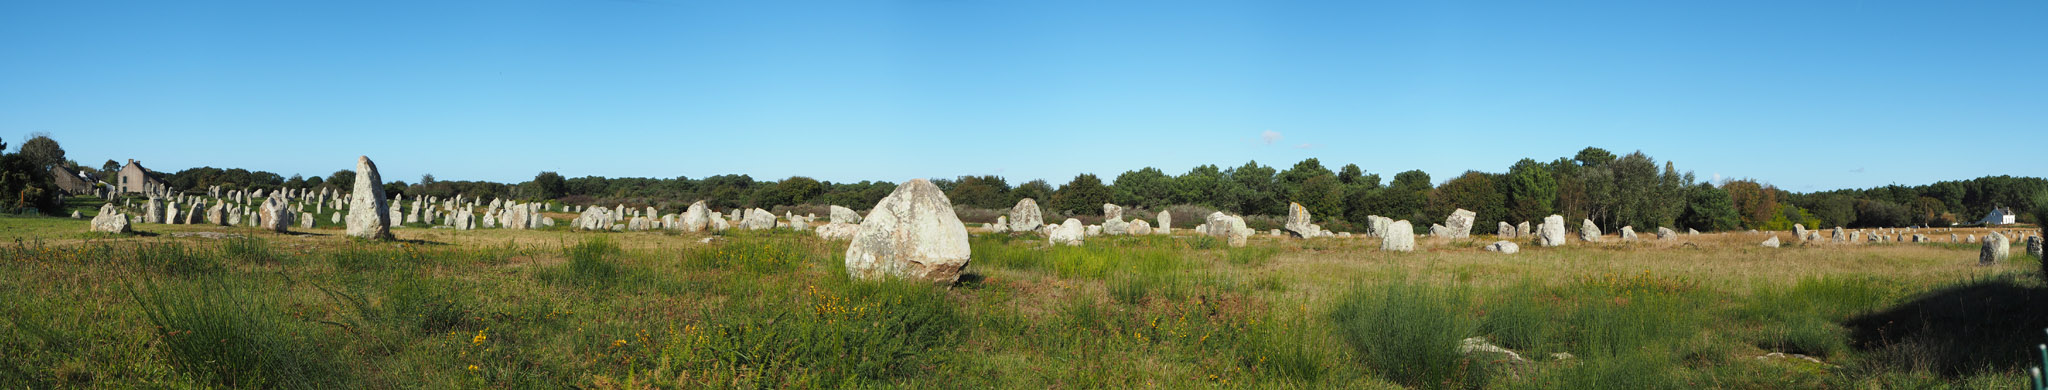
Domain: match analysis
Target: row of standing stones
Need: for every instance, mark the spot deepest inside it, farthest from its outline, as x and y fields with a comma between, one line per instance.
x=914, y=233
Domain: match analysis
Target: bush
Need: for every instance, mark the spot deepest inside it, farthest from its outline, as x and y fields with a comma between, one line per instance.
x=1410, y=334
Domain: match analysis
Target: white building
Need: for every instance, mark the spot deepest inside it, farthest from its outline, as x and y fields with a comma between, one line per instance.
x=2000, y=216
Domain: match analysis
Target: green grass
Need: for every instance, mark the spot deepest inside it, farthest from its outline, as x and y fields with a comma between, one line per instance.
x=557, y=309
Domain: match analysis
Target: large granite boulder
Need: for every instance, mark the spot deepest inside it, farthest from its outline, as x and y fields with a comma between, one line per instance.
x=1069, y=232
x=1227, y=227
x=1140, y=227
x=1628, y=233
x=1002, y=225
x=842, y=214
x=1115, y=227
x=1378, y=225
x=110, y=220
x=1838, y=236
x=1459, y=224
x=2034, y=246
x=1025, y=216
x=274, y=216
x=696, y=218
x=1299, y=222
x=1551, y=233
x=1399, y=237
x=913, y=234
x=758, y=219
x=1771, y=243
x=1589, y=231
x=1996, y=249
x=838, y=231
x=1799, y=231
x=1505, y=231
x=1112, y=211
x=1504, y=247
x=1665, y=233
x=368, y=216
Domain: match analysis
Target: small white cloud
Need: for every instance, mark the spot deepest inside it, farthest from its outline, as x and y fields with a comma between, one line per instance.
x=1269, y=136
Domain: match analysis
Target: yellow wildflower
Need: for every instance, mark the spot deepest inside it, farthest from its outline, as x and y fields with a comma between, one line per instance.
x=479, y=339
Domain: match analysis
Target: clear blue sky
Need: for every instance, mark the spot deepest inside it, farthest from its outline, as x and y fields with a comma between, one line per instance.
x=1807, y=95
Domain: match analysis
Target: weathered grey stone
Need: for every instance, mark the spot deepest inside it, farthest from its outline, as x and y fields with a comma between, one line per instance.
x=1505, y=230
x=1523, y=230
x=1399, y=237
x=1665, y=233
x=1771, y=243
x=1839, y=236
x=1025, y=216
x=1551, y=233
x=1996, y=249
x=1799, y=231
x=1115, y=227
x=1628, y=233
x=1377, y=225
x=1504, y=247
x=758, y=219
x=1094, y=230
x=1436, y=230
x=110, y=220
x=697, y=217
x=1069, y=232
x=1299, y=222
x=1002, y=225
x=1692, y=232
x=1111, y=211
x=1459, y=224
x=2034, y=246
x=842, y=214
x=369, y=217
x=1588, y=231
x=838, y=231
x=76, y=215
x=1140, y=227
x=305, y=221
x=913, y=234
x=274, y=216
x=218, y=214
x=1229, y=228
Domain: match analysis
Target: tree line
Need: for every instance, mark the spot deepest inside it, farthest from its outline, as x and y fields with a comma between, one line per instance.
x=1612, y=191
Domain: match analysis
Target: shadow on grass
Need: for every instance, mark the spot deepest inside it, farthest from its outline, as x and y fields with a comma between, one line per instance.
x=1989, y=324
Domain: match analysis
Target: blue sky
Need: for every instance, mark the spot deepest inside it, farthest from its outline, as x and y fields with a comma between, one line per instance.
x=1804, y=95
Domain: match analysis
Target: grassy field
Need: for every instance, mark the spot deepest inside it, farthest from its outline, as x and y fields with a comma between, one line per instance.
x=176, y=306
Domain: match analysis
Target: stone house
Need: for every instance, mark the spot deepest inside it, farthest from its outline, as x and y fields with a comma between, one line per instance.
x=134, y=179
x=72, y=183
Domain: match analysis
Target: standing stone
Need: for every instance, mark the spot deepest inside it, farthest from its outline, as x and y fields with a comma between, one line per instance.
x=1996, y=249
x=1112, y=211
x=1551, y=233
x=110, y=220
x=1504, y=247
x=1025, y=216
x=1377, y=225
x=1399, y=237
x=368, y=216
x=758, y=219
x=1069, y=232
x=838, y=231
x=698, y=217
x=1459, y=224
x=844, y=215
x=1692, y=232
x=1115, y=227
x=1665, y=233
x=1588, y=231
x=1505, y=230
x=1230, y=228
x=1628, y=233
x=2034, y=246
x=76, y=215
x=1165, y=222
x=275, y=216
x=1140, y=228
x=914, y=234
x=1771, y=243
x=1002, y=225
x=1838, y=235
x=1799, y=231
x=305, y=220
x=1299, y=222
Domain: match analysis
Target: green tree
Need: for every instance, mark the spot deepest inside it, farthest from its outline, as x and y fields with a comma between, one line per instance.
x=1709, y=209
x=1084, y=195
x=1199, y=186
x=1323, y=196
x=343, y=179
x=1755, y=202
x=550, y=185
x=1038, y=190
x=1593, y=157
x=1473, y=191
x=1148, y=187
x=1532, y=191
x=981, y=191
x=1253, y=190
x=42, y=151
x=110, y=168
x=795, y=190
x=1835, y=210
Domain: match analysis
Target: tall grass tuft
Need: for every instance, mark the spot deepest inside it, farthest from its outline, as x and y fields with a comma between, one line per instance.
x=760, y=256
x=249, y=250
x=843, y=334
x=232, y=337
x=175, y=259
x=1410, y=333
